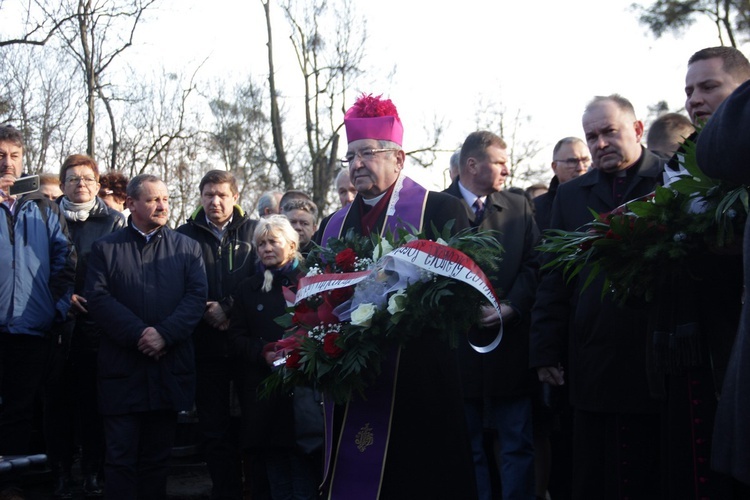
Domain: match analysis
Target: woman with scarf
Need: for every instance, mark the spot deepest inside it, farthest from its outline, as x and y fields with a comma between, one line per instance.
x=268, y=426
x=71, y=392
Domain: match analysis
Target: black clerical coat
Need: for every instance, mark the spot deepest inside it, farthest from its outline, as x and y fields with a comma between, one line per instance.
x=606, y=343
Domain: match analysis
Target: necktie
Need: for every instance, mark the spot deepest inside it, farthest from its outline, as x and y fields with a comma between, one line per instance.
x=479, y=210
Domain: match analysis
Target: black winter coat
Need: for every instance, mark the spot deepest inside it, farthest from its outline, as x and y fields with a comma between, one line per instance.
x=229, y=261
x=543, y=205
x=723, y=152
x=101, y=222
x=266, y=422
x=606, y=343
x=132, y=284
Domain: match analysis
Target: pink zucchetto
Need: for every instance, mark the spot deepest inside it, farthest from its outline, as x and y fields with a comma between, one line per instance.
x=373, y=118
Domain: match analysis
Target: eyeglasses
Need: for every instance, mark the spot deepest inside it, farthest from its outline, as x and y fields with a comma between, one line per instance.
x=73, y=181
x=364, y=155
x=574, y=161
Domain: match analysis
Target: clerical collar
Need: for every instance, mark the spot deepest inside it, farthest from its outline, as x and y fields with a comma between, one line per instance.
x=374, y=201
x=470, y=197
x=627, y=171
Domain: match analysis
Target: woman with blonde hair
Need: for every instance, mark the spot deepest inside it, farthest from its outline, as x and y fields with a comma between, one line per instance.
x=268, y=426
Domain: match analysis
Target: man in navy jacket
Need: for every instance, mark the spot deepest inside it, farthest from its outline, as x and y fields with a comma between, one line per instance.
x=146, y=287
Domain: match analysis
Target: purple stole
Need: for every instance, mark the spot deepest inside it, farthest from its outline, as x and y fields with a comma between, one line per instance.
x=357, y=472
x=406, y=207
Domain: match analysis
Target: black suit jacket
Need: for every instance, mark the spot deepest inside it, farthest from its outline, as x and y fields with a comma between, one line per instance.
x=505, y=371
x=606, y=343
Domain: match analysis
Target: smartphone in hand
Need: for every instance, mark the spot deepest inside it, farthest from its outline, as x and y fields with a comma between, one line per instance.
x=25, y=185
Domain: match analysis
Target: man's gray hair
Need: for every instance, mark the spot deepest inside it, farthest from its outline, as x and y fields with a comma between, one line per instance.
x=268, y=200
x=564, y=141
x=135, y=186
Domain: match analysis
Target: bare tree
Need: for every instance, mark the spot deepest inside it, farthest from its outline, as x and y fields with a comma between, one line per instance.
x=41, y=102
x=161, y=135
x=240, y=137
x=329, y=45
x=101, y=32
x=39, y=26
x=513, y=128
x=276, y=125
x=426, y=154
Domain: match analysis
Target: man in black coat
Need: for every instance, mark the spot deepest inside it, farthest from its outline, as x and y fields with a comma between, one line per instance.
x=723, y=151
x=701, y=306
x=225, y=235
x=501, y=377
x=616, y=421
x=427, y=452
x=146, y=289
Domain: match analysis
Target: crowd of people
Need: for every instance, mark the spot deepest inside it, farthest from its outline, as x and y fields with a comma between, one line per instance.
x=116, y=322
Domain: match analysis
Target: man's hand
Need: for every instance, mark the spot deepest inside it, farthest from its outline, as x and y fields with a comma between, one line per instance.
x=78, y=303
x=489, y=316
x=272, y=356
x=552, y=375
x=6, y=181
x=215, y=316
x=151, y=343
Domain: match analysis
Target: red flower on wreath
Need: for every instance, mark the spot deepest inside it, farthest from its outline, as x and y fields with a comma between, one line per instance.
x=330, y=347
x=292, y=361
x=345, y=259
x=304, y=315
x=612, y=235
x=325, y=314
x=341, y=295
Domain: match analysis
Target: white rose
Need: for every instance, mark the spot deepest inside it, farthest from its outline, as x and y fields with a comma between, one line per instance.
x=383, y=248
x=396, y=302
x=362, y=315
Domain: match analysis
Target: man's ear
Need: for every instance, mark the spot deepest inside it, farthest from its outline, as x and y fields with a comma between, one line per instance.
x=639, y=128
x=400, y=159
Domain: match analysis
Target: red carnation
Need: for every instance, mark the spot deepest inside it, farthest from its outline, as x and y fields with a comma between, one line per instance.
x=345, y=259
x=330, y=347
